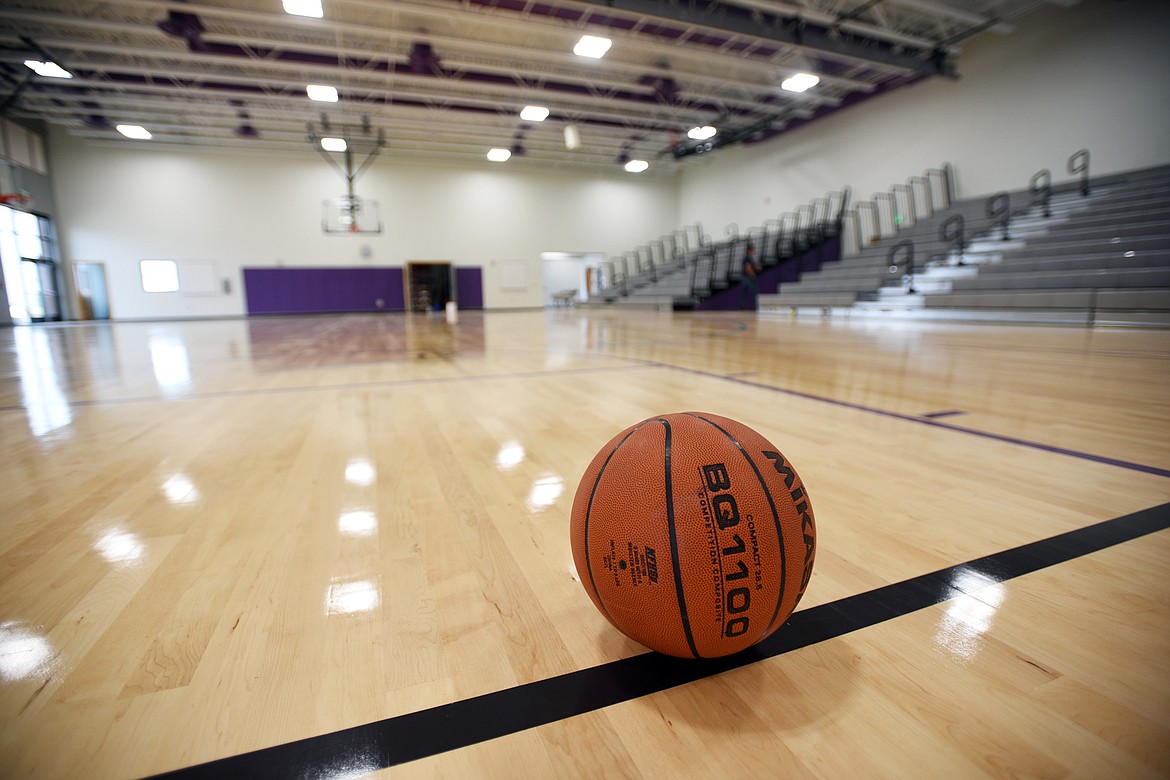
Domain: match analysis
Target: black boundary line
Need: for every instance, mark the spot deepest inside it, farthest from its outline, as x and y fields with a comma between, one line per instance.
x=429, y=732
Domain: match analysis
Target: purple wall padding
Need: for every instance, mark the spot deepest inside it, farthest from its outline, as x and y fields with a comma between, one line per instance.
x=469, y=288
x=775, y=276
x=305, y=290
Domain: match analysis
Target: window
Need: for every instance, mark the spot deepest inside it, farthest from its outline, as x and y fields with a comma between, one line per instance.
x=160, y=275
x=27, y=254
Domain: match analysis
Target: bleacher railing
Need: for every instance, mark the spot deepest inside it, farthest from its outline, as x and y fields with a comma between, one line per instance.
x=708, y=266
x=901, y=206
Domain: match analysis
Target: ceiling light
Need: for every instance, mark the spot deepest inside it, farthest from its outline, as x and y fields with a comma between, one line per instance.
x=498, y=155
x=637, y=166
x=702, y=133
x=534, y=114
x=134, y=131
x=800, y=82
x=592, y=46
x=322, y=92
x=304, y=8
x=333, y=144
x=572, y=137
x=50, y=69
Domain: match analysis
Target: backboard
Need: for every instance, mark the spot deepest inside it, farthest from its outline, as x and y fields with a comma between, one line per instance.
x=350, y=216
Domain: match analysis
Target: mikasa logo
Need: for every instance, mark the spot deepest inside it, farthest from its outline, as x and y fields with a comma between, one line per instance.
x=806, y=522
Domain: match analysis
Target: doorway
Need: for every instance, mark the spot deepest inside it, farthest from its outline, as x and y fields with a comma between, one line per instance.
x=89, y=279
x=27, y=252
x=429, y=286
x=566, y=277
x=38, y=278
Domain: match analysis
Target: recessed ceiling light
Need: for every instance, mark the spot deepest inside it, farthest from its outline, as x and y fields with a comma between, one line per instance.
x=702, y=133
x=800, y=82
x=498, y=155
x=592, y=46
x=50, y=69
x=322, y=92
x=333, y=144
x=304, y=8
x=137, y=132
x=534, y=114
x=572, y=137
x=637, y=166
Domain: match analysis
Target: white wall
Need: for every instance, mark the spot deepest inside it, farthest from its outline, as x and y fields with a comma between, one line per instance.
x=120, y=206
x=1091, y=76
x=1088, y=76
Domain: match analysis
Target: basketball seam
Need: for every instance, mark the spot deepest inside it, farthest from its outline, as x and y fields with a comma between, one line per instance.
x=775, y=519
x=589, y=511
x=678, y=584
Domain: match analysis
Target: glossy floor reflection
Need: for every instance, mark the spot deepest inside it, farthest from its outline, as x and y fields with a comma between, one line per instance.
x=275, y=529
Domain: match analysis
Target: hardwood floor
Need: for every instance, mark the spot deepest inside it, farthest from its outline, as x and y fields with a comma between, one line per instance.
x=219, y=537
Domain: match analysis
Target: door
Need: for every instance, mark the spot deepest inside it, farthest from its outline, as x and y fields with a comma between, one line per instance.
x=39, y=278
x=429, y=286
x=90, y=281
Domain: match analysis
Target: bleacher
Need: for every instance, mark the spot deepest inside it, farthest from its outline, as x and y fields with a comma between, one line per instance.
x=1093, y=251
x=1098, y=258
x=691, y=270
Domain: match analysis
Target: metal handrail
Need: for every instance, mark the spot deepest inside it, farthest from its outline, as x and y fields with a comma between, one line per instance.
x=835, y=213
x=1079, y=163
x=999, y=207
x=771, y=241
x=1041, y=187
x=803, y=231
x=815, y=204
x=876, y=234
x=846, y=195
x=956, y=237
x=911, y=206
x=889, y=197
x=929, y=196
x=786, y=243
x=852, y=216
x=658, y=259
x=946, y=174
x=646, y=258
x=908, y=263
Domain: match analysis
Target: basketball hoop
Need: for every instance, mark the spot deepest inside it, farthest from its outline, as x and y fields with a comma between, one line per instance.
x=15, y=198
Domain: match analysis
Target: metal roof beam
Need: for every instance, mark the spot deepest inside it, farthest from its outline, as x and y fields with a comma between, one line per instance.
x=792, y=32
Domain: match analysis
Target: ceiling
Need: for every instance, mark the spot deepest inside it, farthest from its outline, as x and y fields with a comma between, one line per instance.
x=445, y=80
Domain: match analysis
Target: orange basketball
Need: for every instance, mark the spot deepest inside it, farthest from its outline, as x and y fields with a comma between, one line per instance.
x=693, y=535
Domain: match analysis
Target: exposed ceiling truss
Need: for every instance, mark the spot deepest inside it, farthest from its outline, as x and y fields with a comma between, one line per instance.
x=446, y=79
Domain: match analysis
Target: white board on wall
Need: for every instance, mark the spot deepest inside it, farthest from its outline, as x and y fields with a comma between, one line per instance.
x=513, y=275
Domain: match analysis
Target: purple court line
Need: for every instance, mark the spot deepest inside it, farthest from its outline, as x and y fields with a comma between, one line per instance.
x=1125, y=464
x=937, y=415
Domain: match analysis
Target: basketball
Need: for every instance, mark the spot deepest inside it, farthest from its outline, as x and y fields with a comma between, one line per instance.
x=693, y=535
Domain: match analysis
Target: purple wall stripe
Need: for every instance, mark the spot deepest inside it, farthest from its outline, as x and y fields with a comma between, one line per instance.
x=314, y=290
x=469, y=287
